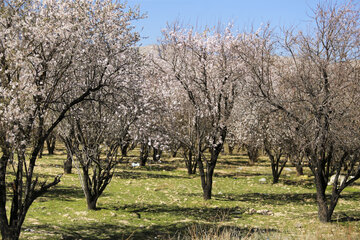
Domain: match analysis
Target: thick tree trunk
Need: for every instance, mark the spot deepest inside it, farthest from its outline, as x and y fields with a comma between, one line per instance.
x=323, y=211
x=91, y=203
x=10, y=233
x=321, y=184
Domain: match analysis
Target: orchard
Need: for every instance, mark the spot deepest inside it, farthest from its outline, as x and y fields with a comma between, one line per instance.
x=79, y=92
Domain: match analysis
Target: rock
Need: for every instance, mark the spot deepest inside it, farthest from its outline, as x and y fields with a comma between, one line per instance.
x=262, y=180
x=251, y=211
x=262, y=212
x=135, y=165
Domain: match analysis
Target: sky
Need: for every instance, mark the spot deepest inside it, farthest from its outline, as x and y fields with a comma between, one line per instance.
x=200, y=13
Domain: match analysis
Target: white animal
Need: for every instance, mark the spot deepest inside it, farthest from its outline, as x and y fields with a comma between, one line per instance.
x=341, y=179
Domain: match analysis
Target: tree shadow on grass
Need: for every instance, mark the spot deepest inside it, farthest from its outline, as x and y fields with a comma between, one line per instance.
x=351, y=216
x=64, y=193
x=234, y=161
x=196, y=213
x=51, y=165
x=144, y=175
x=241, y=174
x=271, y=198
x=95, y=231
x=280, y=198
x=306, y=183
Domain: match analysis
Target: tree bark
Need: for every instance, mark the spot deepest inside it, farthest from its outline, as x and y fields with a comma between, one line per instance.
x=68, y=164
x=156, y=154
x=231, y=149
x=207, y=189
x=144, y=153
x=323, y=211
x=299, y=169
x=91, y=203
x=10, y=234
x=91, y=199
x=41, y=151
x=50, y=144
x=190, y=161
x=5, y=231
x=253, y=154
x=124, y=149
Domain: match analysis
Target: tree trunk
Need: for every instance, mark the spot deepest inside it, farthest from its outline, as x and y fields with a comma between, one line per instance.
x=41, y=151
x=156, y=154
x=10, y=233
x=321, y=184
x=253, y=154
x=68, y=164
x=192, y=170
x=91, y=199
x=91, y=203
x=323, y=211
x=231, y=149
x=190, y=163
x=276, y=168
x=144, y=153
x=207, y=178
x=207, y=190
x=124, y=149
x=275, y=178
x=299, y=169
x=50, y=143
x=297, y=161
x=23, y=192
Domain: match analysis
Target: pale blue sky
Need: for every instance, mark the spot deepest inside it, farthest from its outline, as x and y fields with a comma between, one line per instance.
x=243, y=13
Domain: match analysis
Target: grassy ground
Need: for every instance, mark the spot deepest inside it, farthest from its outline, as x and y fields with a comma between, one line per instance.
x=162, y=202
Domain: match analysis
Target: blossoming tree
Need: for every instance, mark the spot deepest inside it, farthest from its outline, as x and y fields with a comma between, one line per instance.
x=53, y=55
x=203, y=65
x=315, y=86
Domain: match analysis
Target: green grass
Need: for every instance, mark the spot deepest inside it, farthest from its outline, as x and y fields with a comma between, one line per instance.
x=162, y=202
